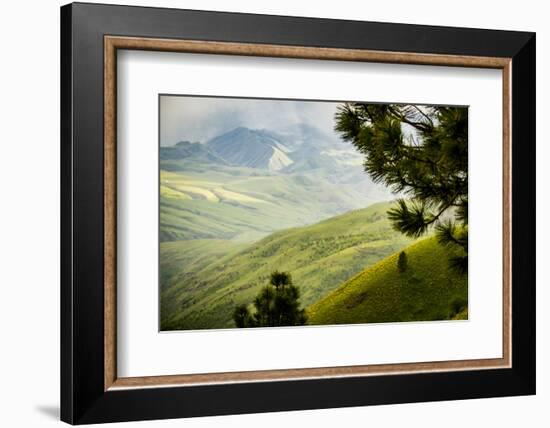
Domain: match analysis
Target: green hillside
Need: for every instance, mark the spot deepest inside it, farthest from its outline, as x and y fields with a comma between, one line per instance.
x=203, y=280
x=427, y=290
x=211, y=201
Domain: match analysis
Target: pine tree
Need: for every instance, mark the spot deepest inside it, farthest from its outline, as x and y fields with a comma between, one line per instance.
x=280, y=279
x=277, y=304
x=241, y=316
x=402, y=262
x=420, y=152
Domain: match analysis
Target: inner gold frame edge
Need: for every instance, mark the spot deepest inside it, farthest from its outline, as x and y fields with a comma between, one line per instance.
x=113, y=43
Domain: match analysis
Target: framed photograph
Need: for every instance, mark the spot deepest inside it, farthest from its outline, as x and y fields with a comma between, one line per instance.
x=266, y=213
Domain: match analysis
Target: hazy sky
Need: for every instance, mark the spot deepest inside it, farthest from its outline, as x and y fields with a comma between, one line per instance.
x=202, y=118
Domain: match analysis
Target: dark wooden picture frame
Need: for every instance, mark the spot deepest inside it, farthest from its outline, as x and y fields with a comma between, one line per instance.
x=90, y=389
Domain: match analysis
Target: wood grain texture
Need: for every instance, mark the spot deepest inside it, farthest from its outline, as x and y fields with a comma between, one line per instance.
x=301, y=52
x=112, y=43
x=296, y=374
x=110, y=221
x=507, y=213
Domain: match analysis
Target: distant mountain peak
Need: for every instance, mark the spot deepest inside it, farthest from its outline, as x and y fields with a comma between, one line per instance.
x=294, y=148
x=251, y=148
x=238, y=131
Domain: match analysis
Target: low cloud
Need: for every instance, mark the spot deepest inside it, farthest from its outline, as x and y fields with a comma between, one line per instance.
x=202, y=118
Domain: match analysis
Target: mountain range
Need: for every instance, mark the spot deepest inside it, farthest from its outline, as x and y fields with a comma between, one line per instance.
x=246, y=183
x=298, y=148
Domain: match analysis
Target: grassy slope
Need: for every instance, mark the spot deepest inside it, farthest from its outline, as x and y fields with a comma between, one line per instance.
x=203, y=280
x=178, y=265
x=427, y=290
x=217, y=202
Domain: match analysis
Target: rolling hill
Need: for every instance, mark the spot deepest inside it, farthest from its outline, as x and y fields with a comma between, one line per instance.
x=202, y=201
x=427, y=290
x=247, y=183
x=202, y=280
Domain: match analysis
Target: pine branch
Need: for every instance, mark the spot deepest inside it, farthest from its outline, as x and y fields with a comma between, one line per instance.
x=414, y=219
x=447, y=234
x=416, y=125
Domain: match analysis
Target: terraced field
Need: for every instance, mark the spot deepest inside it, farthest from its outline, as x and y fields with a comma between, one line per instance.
x=243, y=204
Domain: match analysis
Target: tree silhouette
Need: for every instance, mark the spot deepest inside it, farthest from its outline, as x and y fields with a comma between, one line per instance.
x=241, y=316
x=402, y=262
x=421, y=152
x=277, y=304
x=280, y=279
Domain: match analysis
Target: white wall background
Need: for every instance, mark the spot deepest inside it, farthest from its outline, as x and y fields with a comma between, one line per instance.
x=29, y=213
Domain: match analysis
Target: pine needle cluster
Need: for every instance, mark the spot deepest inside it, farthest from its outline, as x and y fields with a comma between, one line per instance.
x=421, y=153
